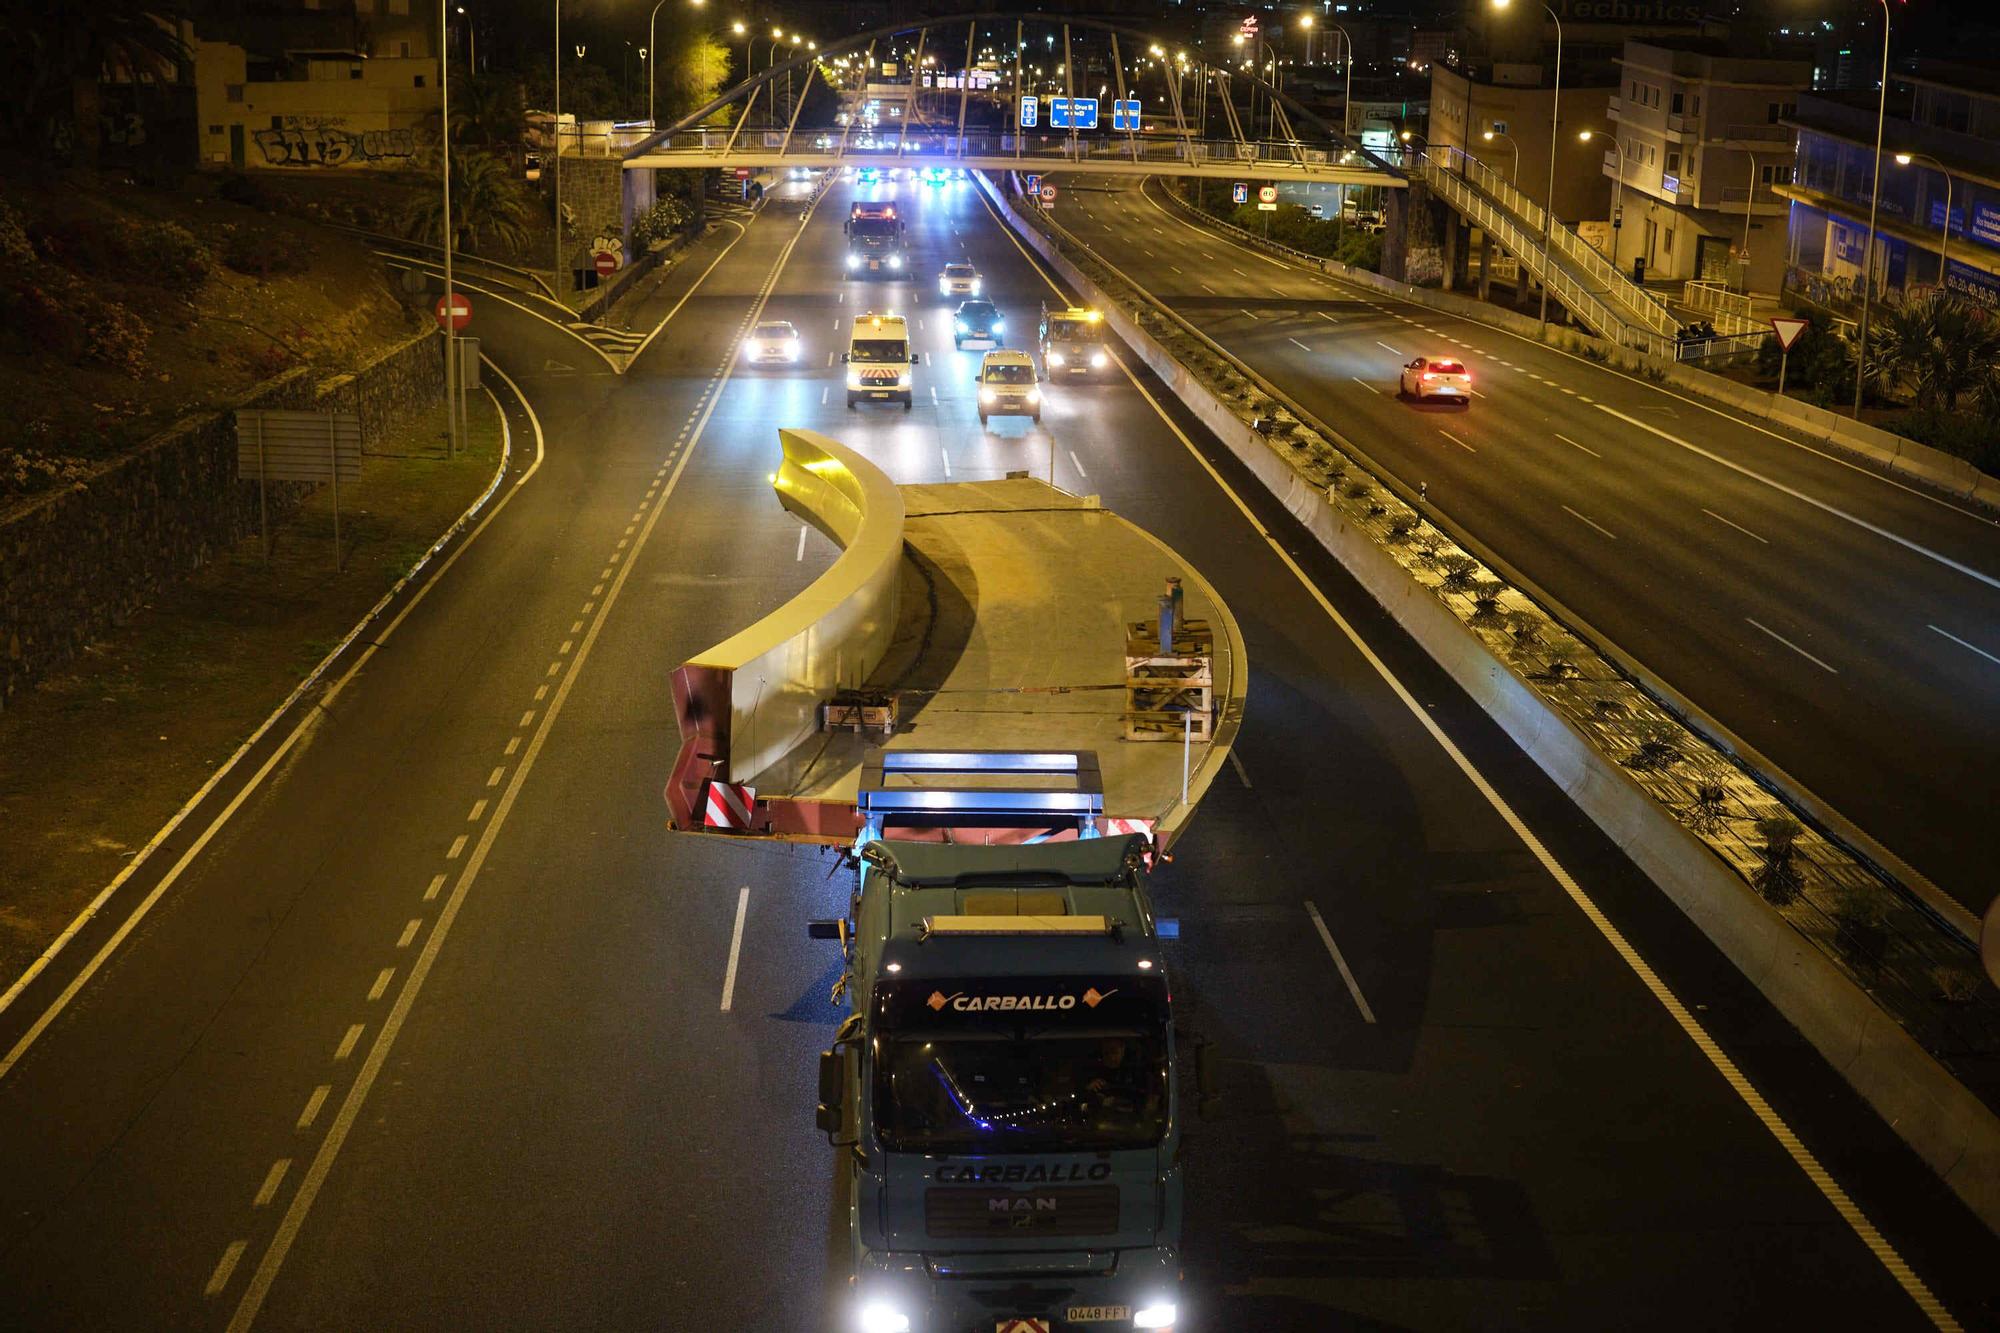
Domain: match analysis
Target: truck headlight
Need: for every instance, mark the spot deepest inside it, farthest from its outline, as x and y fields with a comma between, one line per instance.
x=986, y=396
x=1056, y=360
x=853, y=261
x=1160, y=1314
x=895, y=261
x=876, y=1317
x=1097, y=360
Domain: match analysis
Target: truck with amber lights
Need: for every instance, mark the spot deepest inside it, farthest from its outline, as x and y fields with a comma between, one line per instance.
x=1073, y=342
x=1004, y=1092
x=875, y=245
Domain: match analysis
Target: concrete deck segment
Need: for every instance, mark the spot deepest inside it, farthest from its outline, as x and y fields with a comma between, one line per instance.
x=1015, y=600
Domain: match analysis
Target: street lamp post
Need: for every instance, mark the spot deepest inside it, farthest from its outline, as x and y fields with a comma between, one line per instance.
x=452, y=427
x=1874, y=199
x=1749, y=202
x=743, y=32
x=1617, y=187
x=1944, y=246
x=1555, y=117
x=1347, y=98
x=555, y=142
x=1513, y=176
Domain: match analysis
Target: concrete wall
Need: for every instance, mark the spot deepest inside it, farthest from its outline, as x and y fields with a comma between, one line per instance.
x=1582, y=189
x=385, y=119
x=77, y=562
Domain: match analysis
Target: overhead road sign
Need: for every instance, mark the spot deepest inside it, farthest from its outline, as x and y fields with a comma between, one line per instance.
x=1073, y=113
x=1125, y=114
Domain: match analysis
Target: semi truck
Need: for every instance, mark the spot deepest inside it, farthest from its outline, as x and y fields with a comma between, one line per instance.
x=875, y=244
x=1006, y=1091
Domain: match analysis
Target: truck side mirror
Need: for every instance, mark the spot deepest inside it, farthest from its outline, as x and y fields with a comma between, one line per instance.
x=823, y=930
x=832, y=1077
x=846, y=357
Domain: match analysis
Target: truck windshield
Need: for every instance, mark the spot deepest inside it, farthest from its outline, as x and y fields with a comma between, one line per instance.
x=872, y=228
x=1027, y=1091
x=880, y=351
x=1009, y=374
x=1076, y=330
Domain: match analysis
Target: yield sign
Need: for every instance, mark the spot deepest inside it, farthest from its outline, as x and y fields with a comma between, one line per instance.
x=1788, y=331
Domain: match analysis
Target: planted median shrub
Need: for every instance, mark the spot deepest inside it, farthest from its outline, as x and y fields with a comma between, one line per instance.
x=1777, y=876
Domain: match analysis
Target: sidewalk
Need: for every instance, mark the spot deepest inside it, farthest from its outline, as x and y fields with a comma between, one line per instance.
x=95, y=759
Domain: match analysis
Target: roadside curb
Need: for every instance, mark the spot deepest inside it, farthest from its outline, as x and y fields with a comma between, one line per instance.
x=1955, y=1133
x=285, y=709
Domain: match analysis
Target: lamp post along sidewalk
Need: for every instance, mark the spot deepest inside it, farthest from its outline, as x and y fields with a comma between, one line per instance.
x=452, y=426
x=1944, y=245
x=1874, y=202
x=1555, y=118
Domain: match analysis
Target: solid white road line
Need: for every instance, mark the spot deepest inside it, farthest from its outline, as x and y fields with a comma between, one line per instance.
x=1460, y=443
x=735, y=947
x=1816, y=661
x=1963, y=644
x=1346, y=975
x=1830, y=1189
x=1738, y=526
x=1599, y=526
x=1574, y=445
x=1364, y=384
x=259, y=1286
x=1859, y=522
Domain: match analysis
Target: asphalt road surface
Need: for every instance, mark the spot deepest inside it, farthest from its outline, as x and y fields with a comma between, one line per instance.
x=435, y=1030
x=1844, y=625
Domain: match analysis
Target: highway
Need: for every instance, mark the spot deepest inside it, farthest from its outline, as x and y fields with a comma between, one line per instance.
x=1844, y=625
x=441, y=1027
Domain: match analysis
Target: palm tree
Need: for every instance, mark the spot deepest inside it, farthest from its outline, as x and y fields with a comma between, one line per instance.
x=58, y=53
x=486, y=205
x=488, y=111
x=1941, y=345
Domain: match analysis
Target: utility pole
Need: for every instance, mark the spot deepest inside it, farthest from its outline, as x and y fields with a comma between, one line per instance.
x=453, y=428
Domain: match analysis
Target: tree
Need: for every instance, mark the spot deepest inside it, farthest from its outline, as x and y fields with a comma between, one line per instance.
x=486, y=205
x=486, y=109
x=693, y=66
x=1941, y=346
x=56, y=54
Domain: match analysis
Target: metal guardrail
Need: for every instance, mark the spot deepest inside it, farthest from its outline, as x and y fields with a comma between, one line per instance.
x=457, y=256
x=1731, y=309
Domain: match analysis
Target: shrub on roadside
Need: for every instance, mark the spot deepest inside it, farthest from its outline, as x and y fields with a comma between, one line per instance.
x=240, y=189
x=166, y=255
x=1970, y=436
x=263, y=253
x=664, y=220
x=26, y=472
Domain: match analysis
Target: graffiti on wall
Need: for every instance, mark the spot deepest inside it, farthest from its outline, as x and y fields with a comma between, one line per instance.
x=332, y=146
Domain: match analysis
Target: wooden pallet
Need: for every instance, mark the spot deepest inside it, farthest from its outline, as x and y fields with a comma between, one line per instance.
x=1192, y=638
x=852, y=710
x=1158, y=724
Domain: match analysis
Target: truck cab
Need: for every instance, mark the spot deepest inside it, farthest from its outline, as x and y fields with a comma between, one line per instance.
x=880, y=364
x=1073, y=342
x=1004, y=1090
x=875, y=241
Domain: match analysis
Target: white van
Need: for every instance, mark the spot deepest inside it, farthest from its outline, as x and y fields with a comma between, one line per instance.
x=879, y=360
x=1008, y=386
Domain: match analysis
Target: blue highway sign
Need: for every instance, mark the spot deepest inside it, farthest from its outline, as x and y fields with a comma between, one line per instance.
x=1125, y=114
x=1073, y=113
x=1029, y=107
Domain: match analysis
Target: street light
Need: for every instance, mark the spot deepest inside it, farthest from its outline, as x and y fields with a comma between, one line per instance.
x=1617, y=186
x=1874, y=198
x=1347, y=98
x=1944, y=248
x=1555, y=110
x=1513, y=176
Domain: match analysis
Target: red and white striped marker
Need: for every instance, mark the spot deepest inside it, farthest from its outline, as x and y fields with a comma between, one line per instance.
x=729, y=805
x=1118, y=828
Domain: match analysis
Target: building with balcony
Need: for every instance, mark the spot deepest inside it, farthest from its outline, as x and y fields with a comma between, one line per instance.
x=1944, y=118
x=1695, y=140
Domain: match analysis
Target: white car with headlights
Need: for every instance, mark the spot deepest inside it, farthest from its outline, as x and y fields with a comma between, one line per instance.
x=774, y=342
x=960, y=280
x=1008, y=386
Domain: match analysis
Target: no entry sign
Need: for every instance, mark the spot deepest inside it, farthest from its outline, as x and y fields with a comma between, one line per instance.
x=605, y=262
x=457, y=308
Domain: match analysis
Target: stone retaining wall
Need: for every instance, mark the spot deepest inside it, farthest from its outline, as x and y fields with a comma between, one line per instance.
x=78, y=561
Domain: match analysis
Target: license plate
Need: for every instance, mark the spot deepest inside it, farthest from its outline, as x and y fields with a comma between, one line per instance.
x=1097, y=1314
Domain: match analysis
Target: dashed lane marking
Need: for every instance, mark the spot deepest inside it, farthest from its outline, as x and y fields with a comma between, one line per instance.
x=1599, y=526
x=272, y=1179
x=1819, y=662
x=1296, y=343
x=225, y=1268
x=1365, y=384
x=1346, y=974
x=1973, y=647
x=735, y=947
x=1385, y=347
x=1738, y=526
x=1460, y=443
x=313, y=1103
x=1574, y=445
